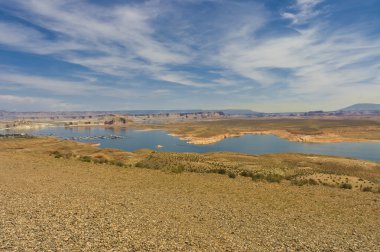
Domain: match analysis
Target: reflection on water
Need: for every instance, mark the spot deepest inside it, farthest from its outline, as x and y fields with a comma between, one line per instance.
x=131, y=140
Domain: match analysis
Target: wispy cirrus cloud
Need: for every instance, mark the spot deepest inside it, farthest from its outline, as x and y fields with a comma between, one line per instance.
x=52, y=85
x=30, y=103
x=312, y=61
x=303, y=10
x=254, y=52
x=19, y=81
x=112, y=40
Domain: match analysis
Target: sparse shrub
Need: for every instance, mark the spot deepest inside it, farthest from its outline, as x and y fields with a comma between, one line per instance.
x=367, y=189
x=312, y=182
x=103, y=161
x=274, y=178
x=192, y=170
x=345, y=186
x=221, y=171
x=231, y=175
x=85, y=159
x=98, y=161
x=244, y=174
x=291, y=176
x=139, y=165
x=178, y=169
x=56, y=154
x=117, y=163
x=257, y=176
x=300, y=182
x=327, y=184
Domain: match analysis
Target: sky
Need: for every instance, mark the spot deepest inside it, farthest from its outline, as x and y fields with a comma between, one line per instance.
x=268, y=55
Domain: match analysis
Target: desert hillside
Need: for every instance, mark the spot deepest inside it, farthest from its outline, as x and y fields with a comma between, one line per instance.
x=65, y=203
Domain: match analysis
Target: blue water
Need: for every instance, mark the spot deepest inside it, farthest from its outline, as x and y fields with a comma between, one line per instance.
x=253, y=144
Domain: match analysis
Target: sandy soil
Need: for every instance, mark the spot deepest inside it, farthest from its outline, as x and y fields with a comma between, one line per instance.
x=304, y=130
x=322, y=138
x=64, y=204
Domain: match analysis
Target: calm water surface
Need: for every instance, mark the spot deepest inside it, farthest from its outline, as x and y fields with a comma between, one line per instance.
x=253, y=144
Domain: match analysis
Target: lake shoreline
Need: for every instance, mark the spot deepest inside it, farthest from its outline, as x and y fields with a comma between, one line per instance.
x=324, y=138
x=196, y=140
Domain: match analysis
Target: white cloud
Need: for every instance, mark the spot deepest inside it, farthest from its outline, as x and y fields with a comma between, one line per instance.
x=315, y=63
x=42, y=83
x=180, y=78
x=211, y=54
x=106, y=39
x=14, y=102
x=12, y=34
x=30, y=40
x=19, y=81
x=304, y=10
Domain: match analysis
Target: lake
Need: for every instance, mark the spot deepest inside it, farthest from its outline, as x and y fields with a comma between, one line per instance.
x=131, y=140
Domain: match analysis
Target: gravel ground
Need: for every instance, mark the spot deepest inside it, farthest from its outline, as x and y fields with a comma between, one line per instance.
x=67, y=205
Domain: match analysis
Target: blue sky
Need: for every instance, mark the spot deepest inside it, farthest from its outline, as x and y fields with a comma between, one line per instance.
x=271, y=56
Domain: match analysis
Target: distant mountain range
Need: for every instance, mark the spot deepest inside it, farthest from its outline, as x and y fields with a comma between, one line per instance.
x=353, y=110
x=362, y=107
x=153, y=113
x=225, y=111
x=239, y=112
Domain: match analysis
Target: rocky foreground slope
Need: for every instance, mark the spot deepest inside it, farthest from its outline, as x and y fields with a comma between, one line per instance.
x=50, y=203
